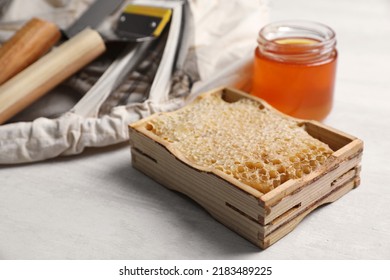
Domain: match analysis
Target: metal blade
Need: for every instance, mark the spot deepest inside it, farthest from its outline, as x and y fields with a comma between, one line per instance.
x=93, y=16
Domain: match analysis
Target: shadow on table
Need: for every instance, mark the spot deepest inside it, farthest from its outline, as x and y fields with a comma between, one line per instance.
x=219, y=239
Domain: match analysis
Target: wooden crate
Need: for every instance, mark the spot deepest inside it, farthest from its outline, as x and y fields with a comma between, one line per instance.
x=261, y=218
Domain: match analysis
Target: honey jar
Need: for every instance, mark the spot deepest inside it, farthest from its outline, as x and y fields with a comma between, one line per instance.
x=295, y=68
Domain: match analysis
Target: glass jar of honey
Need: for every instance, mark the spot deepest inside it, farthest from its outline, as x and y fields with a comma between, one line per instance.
x=295, y=68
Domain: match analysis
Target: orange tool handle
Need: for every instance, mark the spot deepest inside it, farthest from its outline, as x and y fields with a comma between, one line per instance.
x=28, y=44
x=48, y=72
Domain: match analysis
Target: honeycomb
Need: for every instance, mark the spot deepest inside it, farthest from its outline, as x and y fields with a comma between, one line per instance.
x=253, y=144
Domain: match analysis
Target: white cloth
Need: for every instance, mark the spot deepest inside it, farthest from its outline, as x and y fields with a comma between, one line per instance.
x=224, y=40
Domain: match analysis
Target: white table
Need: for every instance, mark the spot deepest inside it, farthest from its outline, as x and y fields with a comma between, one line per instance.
x=96, y=206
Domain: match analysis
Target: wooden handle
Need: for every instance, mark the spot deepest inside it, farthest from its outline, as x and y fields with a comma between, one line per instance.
x=49, y=71
x=32, y=41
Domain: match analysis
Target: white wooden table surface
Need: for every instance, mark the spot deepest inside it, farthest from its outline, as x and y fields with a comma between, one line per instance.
x=96, y=206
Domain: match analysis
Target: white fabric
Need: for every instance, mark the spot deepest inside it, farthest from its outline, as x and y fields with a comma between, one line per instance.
x=225, y=36
x=62, y=12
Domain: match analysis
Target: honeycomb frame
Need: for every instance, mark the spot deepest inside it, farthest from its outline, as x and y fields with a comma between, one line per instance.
x=263, y=151
x=262, y=218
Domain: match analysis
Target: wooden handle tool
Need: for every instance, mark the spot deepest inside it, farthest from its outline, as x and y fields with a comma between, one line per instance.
x=49, y=71
x=28, y=44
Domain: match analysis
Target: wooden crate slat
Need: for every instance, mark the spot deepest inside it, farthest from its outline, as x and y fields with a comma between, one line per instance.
x=231, y=194
x=351, y=176
x=307, y=191
x=290, y=225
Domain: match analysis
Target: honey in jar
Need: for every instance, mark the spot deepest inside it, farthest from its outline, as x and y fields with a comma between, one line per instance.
x=295, y=68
